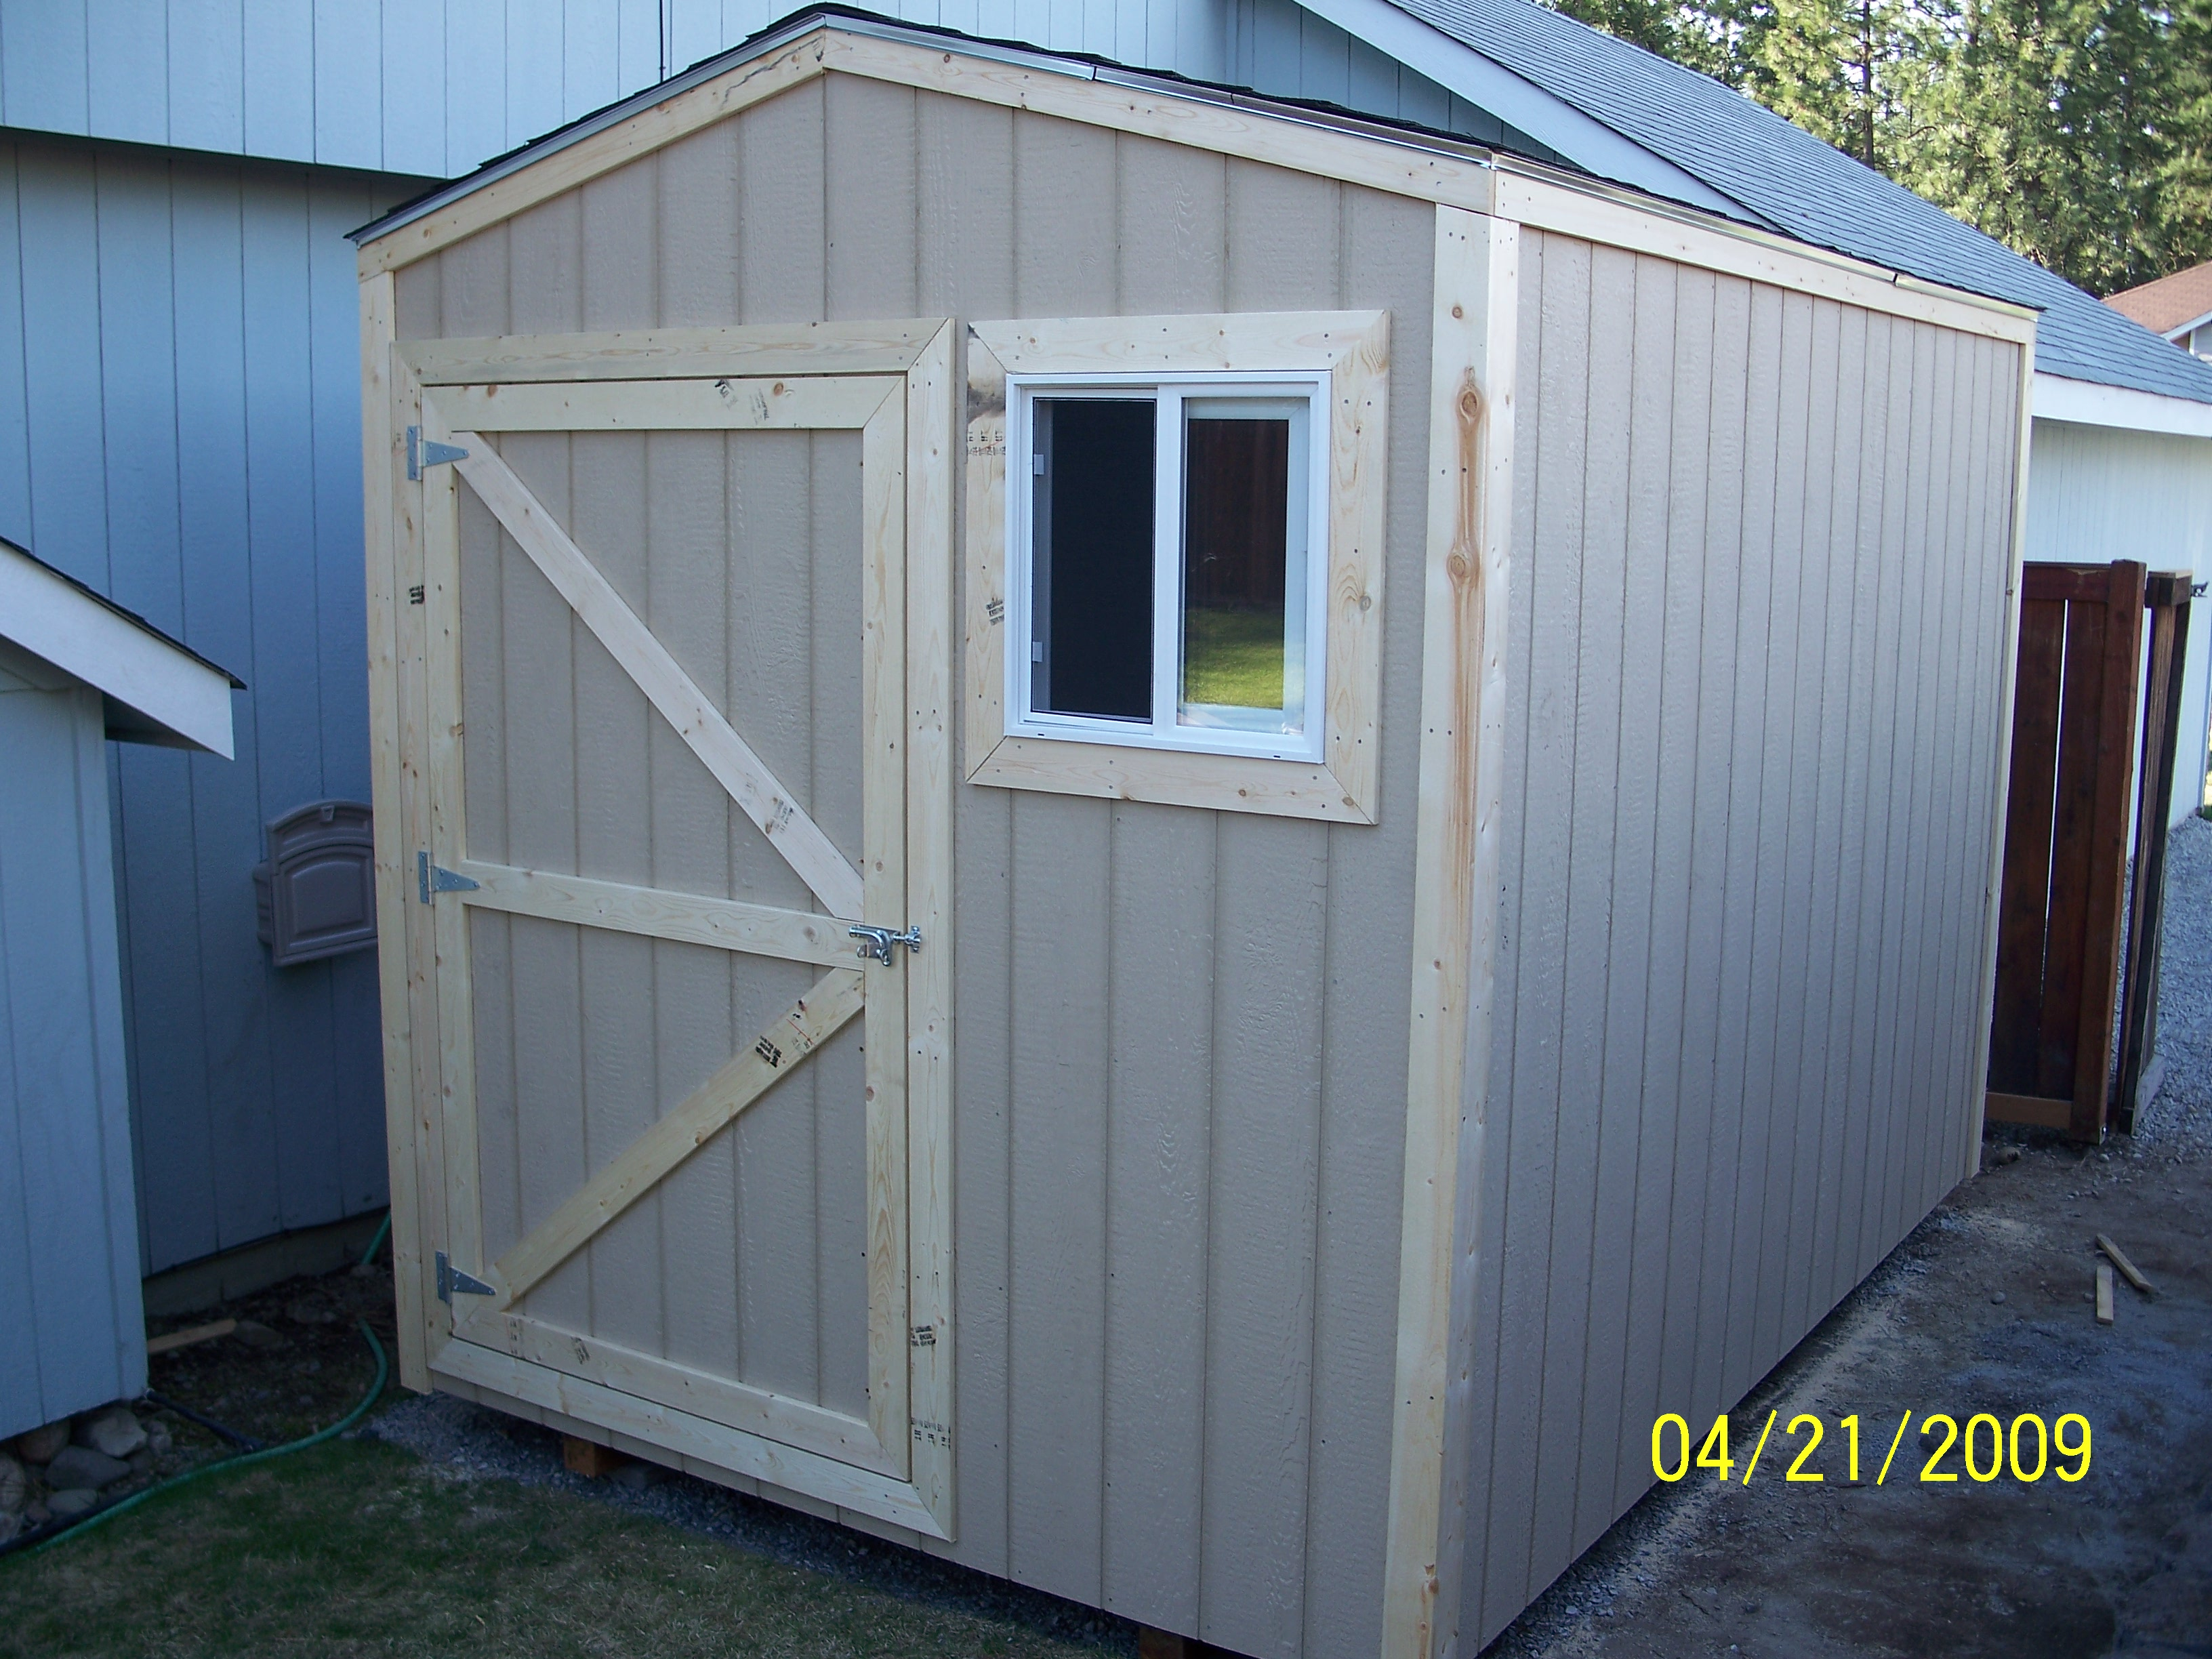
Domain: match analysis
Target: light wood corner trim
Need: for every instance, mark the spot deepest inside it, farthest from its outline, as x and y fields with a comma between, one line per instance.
x=1459, y=821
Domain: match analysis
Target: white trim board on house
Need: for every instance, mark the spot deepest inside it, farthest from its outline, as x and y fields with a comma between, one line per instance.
x=155, y=690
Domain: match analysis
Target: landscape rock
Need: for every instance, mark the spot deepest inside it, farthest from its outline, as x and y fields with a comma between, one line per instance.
x=14, y=1487
x=158, y=1439
x=67, y=1505
x=80, y=1468
x=639, y=1475
x=9, y=1526
x=115, y=1432
x=38, y=1514
x=304, y=1312
x=255, y=1334
x=39, y=1445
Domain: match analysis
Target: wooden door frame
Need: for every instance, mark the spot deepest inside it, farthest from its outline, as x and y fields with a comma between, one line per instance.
x=415, y=763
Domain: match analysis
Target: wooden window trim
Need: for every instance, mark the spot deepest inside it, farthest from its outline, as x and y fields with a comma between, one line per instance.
x=1353, y=348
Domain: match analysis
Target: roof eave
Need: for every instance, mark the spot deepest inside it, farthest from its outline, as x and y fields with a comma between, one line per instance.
x=156, y=690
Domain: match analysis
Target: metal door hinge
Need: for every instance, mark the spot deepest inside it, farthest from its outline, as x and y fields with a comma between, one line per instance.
x=452, y=1278
x=877, y=942
x=423, y=452
x=431, y=878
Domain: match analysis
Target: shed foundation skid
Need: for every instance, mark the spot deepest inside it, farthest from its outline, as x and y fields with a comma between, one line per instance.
x=1601, y=985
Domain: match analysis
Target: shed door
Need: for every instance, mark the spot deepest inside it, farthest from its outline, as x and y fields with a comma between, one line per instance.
x=668, y=757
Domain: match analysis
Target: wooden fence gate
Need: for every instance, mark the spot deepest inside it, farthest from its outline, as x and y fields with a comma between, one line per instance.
x=2065, y=912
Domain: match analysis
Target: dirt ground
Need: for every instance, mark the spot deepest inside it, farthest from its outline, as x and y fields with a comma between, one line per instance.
x=2118, y=1563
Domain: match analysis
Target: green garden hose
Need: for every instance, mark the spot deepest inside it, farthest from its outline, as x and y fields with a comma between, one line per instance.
x=375, y=1389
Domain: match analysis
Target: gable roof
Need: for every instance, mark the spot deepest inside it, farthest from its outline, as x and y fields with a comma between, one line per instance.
x=155, y=690
x=2170, y=304
x=1793, y=181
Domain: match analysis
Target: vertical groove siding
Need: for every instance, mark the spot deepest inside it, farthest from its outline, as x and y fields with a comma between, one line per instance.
x=1758, y=612
x=1179, y=1035
x=2095, y=495
x=1280, y=48
x=179, y=428
x=69, y=1252
x=439, y=87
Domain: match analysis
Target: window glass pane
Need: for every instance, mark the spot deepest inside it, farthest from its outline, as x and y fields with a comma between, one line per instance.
x=1243, y=575
x=1091, y=594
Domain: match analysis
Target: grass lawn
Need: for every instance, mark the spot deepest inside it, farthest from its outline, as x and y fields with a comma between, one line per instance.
x=358, y=1548
x=1233, y=657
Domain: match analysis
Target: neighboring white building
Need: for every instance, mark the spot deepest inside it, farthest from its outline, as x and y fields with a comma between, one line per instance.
x=75, y=671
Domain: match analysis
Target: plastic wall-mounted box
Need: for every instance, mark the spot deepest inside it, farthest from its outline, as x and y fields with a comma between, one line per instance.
x=317, y=892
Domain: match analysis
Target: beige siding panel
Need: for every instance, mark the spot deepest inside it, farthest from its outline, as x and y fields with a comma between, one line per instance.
x=698, y=179
x=697, y=1025
x=1756, y=638
x=965, y=173
x=870, y=198
x=1285, y=241
x=769, y=493
x=1593, y=687
x=1642, y=1019
x=1682, y=1010
x=1732, y=1242
x=1161, y=1144
x=1160, y=1135
x=614, y=821
x=1389, y=262
x=1062, y=849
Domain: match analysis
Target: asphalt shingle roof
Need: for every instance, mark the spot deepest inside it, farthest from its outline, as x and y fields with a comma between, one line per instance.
x=2170, y=301
x=1805, y=189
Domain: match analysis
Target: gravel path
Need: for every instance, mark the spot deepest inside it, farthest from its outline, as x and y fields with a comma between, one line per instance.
x=2179, y=1122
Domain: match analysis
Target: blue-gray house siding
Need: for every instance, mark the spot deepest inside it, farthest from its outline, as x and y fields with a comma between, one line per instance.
x=179, y=428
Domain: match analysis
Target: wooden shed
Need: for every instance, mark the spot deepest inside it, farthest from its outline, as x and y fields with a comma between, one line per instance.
x=76, y=670
x=1412, y=744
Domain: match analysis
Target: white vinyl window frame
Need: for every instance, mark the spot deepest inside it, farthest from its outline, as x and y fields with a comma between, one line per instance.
x=1339, y=361
x=1306, y=574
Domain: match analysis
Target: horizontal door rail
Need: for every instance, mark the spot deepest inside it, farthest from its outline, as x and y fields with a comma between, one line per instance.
x=758, y=930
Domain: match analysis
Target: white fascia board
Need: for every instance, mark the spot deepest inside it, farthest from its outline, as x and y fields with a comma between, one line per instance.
x=2087, y=403
x=1551, y=120
x=47, y=614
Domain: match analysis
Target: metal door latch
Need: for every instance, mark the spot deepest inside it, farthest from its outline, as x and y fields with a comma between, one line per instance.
x=877, y=942
x=423, y=452
x=452, y=1278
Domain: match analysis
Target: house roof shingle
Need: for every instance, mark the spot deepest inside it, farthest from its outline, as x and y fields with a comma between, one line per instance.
x=2169, y=303
x=1801, y=186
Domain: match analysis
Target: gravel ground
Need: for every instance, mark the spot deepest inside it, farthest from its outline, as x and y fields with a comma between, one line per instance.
x=1986, y=1306
x=468, y=1443
x=2179, y=1122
